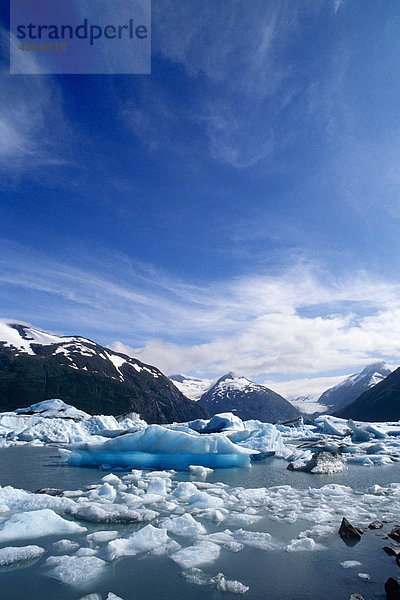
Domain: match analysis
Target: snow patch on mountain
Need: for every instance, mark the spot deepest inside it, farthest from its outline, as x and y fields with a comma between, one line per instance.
x=353, y=386
x=24, y=339
x=191, y=387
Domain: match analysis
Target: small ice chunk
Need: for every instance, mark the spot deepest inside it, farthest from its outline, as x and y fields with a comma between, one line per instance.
x=85, y=552
x=184, y=525
x=364, y=576
x=243, y=519
x=12, y=555
x=224, y=421
x=91, y=597
x=198, y=577
x=184, y=491
x=256, y=539
x=104, y=493
x=199, y=554
x=199, y=471
x=157, y=485
x=349, y=564
x=226, y=585
x=36, y=523
x=302, y=544
x=65, y=546
x=233, y=546
x=112, y=596
x=77, y=571
x=94, y=512
x=112, y=480
x=168, y=548
x=102, y=536
x=143, y=540
x=359, y=434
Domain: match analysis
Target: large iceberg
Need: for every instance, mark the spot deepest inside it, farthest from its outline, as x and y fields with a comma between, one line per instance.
x=158, y=447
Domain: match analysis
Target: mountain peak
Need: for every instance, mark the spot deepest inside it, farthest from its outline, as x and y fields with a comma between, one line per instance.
x=376, y=367
x=346, y=392
x=248, y=400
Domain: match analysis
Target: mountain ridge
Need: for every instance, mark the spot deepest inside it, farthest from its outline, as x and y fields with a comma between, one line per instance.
x=36, y=365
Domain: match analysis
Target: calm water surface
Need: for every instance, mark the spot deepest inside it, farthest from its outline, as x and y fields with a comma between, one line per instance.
x=275, y=575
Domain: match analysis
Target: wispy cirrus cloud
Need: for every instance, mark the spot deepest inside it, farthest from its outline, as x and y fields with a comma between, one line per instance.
x=32, y=123
x=242, y=83
x=299, y=321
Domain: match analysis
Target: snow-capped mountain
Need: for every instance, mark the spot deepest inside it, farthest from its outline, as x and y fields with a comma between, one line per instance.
x=247, y=400
x=191, y=387
x=381, y=402
x=343, y=394
x=36, y=365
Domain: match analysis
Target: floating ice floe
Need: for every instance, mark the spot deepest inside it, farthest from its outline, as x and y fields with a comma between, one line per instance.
x=77, y=571
x=303, y=544
x=183, y=525
x=349, y=564
x=199, y=554
x=198, y=577
x=196, y=513
x=143, y=540
x=34, y=524
x=13, y=555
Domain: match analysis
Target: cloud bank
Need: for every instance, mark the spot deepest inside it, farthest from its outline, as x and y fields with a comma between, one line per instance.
x=298, y=321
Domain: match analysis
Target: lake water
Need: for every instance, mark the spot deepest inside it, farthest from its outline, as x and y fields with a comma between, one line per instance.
x=271, y=575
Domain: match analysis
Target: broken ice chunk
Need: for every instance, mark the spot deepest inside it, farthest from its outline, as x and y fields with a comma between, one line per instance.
x=199, y=554
x=36, y=523
x=184, y=525
x=77, y=571
x=12, y=555
x=143, y=540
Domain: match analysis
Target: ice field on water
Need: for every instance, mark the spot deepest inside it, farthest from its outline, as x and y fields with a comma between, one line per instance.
x=173, y=524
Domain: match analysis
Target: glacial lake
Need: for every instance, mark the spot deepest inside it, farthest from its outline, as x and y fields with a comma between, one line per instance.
x=270, y=575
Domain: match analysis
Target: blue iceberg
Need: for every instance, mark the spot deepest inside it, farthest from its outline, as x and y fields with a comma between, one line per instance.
x=158, y=447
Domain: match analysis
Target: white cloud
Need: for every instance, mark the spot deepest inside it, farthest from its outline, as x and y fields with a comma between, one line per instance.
x=31, y=119
x=310, y=387
x=337, y=5
x=298, y=322
x=237, y=54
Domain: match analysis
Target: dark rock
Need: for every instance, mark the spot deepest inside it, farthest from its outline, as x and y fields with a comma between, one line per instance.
x=391, y=551
x=375, y=525
x=395, y=534
x=49, y=491
x=392, y=588
x=347, y=531
x=398, y=559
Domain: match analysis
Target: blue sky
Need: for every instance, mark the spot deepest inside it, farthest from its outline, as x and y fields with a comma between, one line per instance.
x=236, y=209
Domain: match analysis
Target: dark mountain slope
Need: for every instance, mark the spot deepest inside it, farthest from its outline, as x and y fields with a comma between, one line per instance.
x=36, y=366
x=380, y=403
x=247, y=400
